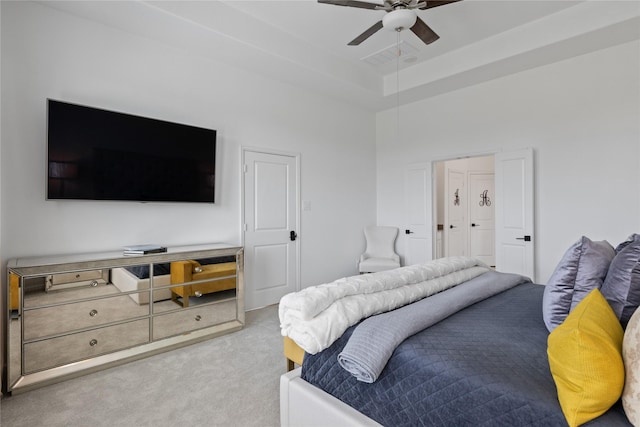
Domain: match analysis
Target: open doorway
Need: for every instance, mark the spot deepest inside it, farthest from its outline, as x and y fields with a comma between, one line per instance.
x=464, y=200
x=512, y=241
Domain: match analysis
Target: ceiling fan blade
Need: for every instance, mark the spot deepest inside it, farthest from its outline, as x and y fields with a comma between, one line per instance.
x=436, y=3
x=351, y=3
x=362, y=37
x=422, y=30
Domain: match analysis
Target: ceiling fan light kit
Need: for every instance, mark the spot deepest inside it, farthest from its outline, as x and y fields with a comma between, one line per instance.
x=400, y=16
x=399, y=19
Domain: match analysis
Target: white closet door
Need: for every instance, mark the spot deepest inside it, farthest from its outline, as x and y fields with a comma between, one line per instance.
x=482, y=216
x=515, y=242
x=418, y=234
x=270, y=218
x=455, y=226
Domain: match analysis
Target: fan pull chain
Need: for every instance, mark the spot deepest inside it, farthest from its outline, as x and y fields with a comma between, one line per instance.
x=398, y=53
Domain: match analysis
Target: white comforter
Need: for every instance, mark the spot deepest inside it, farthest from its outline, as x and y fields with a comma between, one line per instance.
x=317, y=316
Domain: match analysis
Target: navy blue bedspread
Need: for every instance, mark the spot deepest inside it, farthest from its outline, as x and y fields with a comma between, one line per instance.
x=483, y=366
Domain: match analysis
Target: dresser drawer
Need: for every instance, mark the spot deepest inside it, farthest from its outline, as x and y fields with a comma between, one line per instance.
x=60, y=351
x=190, y=319
x=76, y=276
x=59, y=319
x=75, y=279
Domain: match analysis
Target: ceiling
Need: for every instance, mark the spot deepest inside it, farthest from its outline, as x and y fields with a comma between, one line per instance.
x=459, y=24
x=304, y=43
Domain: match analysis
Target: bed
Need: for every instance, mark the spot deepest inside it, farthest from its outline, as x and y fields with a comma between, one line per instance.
x=484, y=362
x=136, y=278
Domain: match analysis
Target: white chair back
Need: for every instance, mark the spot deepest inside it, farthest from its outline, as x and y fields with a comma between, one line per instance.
x=380, y=241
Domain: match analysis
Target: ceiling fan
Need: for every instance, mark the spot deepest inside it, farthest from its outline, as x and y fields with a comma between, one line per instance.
x=400, y=16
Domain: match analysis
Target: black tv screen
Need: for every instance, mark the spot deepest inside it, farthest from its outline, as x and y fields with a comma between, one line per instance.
x=95, y=154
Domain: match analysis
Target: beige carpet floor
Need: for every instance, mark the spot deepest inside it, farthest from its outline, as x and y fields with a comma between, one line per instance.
x=232, y=380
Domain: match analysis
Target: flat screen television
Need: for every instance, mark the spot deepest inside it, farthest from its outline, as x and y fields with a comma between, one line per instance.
x=95, y=154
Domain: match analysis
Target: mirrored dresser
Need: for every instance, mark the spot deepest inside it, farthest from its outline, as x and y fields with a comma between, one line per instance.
x=74, y=314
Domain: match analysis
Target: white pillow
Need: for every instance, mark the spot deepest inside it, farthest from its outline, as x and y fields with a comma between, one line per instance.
x=631, y=357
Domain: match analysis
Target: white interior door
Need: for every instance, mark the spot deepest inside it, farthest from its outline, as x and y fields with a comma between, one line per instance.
x=418, y=236
x=514, y=212
x=482, y=217
x=270, y=218
x=455, y=226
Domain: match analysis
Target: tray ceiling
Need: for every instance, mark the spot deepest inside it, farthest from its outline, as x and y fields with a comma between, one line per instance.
x=304, y=43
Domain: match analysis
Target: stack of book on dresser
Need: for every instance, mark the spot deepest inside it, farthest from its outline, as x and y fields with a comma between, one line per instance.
x=144, y=249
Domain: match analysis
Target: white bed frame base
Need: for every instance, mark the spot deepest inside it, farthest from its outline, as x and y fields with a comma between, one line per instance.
x=302, y=404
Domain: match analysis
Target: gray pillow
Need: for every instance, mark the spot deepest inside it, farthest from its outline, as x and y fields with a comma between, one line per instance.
x=583, y=268
x=621, y=288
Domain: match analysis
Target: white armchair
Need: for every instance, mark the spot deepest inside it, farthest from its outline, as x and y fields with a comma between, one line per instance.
x=380, y=252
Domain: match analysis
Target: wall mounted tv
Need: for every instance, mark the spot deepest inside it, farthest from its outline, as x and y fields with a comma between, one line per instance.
x=95, y=154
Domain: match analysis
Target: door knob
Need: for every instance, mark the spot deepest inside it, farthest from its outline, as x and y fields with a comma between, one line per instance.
x=452, y=226
x=292, y=235
x=525, y=238
x=473, y=224
x=408, y=232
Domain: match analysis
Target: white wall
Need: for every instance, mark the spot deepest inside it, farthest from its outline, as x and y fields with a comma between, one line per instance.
x=580, y=116
x=50, y=54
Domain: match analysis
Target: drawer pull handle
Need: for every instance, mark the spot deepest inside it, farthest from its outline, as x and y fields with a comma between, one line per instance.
x=198, y=317
x=93, y=313
x=94, y=283
x=93, y=342
x=198, y=294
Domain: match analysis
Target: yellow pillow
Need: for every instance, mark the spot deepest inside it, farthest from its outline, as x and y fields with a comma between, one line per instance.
x=585, y=357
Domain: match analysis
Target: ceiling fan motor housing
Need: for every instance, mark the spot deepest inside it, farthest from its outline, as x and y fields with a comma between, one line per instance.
x=399, y=19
